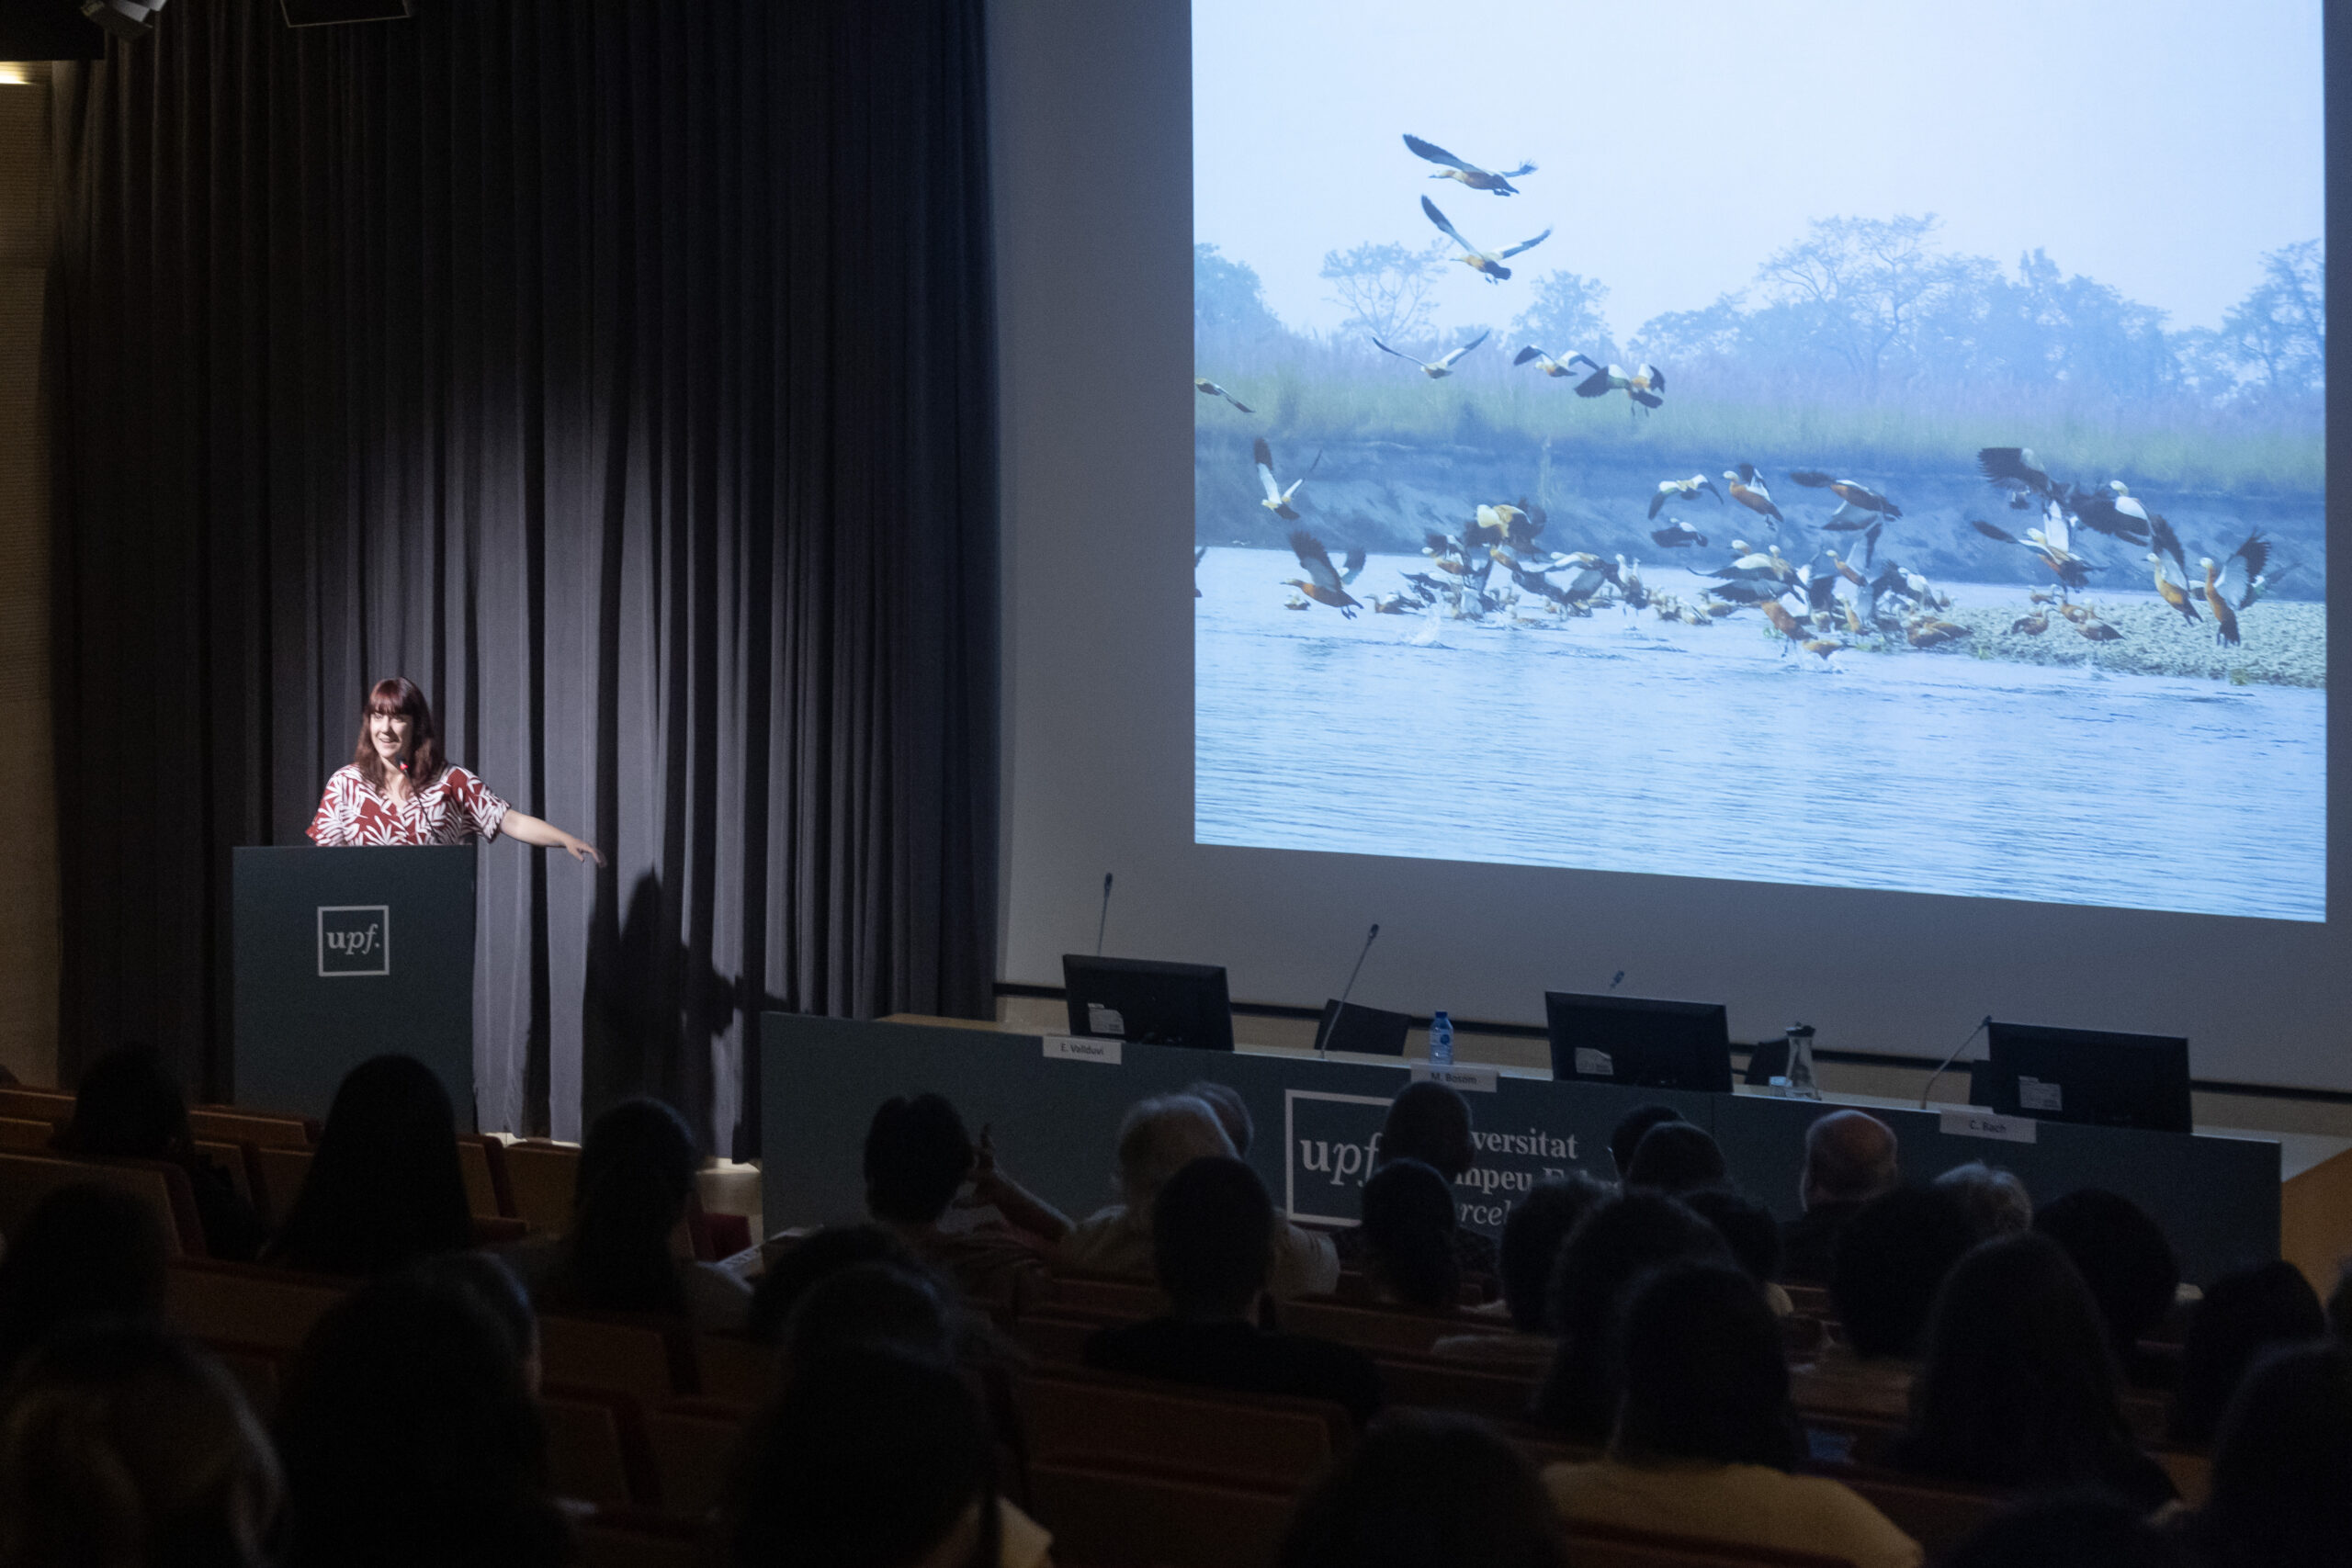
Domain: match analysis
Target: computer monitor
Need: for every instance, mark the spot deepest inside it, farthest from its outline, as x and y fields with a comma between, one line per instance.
x=1365, y=1031
x=1149, y=1003
x=2088, y=1074
x=1641, y=1042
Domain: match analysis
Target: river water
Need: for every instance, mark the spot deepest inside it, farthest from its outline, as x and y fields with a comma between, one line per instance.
x=1624, y=743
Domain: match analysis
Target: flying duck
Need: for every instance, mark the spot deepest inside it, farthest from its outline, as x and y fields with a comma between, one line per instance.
x=1684, y=489
x=2234, y=578
x=1278, y=499
x=2172, y=592
x=1642, y=383
x=2052, y=544
x=1322, y=582
x=1436, y=369
x=1487, y=265
x=1209, y=389
x=1858, y=504
x=1469, y=174
x=1549, y=363
x=1747, y=489
x=1677, y=535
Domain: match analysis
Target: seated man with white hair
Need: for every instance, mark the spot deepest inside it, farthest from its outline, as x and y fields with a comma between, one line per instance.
x=1850, y=1159
x=1158, y=1137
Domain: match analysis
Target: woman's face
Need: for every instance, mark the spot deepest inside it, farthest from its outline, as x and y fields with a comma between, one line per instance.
x=389, y=732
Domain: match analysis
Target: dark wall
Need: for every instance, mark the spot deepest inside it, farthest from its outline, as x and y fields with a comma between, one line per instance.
x=621, y=372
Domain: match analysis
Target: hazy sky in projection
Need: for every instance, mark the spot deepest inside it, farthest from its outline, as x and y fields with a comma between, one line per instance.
x=2159, y=146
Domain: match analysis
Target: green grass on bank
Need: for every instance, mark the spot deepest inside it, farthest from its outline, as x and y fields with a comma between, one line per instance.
x=2184, y=449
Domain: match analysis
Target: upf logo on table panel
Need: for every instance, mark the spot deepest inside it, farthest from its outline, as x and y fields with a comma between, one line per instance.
x=355, y=938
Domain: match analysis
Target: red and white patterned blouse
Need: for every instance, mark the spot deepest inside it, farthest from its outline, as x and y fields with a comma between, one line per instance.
x=451, y=809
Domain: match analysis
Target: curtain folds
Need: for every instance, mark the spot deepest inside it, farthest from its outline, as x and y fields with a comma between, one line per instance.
x=622, y=372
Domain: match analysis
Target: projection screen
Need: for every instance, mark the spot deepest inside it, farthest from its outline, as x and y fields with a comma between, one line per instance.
x=1791, y=506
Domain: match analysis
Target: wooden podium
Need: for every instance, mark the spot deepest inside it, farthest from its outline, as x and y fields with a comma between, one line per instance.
x=343, y=954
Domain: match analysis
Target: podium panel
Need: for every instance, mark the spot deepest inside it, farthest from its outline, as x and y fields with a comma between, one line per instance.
x=347, y=953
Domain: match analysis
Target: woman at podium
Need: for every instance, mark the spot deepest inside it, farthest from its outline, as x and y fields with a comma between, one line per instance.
x=399, y=789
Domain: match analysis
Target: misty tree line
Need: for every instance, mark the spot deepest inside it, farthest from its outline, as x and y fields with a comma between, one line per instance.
x=1860, y=308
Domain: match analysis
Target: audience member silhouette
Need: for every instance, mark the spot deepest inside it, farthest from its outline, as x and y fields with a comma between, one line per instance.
x=409, y=1437
x=916, y=1156
x=1427, y=1491
x=1995, y=1201
x=1431, y=1123
x=2339, y=1305
x=2281, y=1492
x=1705, y=1440
x=384, y=1188
x=1676, y=1157
x=1538, y=1226
x=1409, y=1231
x=2017, y=1389
x=125, y=1444
x=816, y=1259
x=1231, y=1111
x=1753, y=1234
x=888, y=1303
x=1212, y=1234
x=2081, y=1529
x=1158, y=1138
x=1890, y=1259
x=1532, y=1234
x=2124, y=1258
x=1631, y=1128
x=2243, y=1315
x=130, y=1107
x=86, y=1253
x=1850, y=1159
x=873, y=1455
x=1610, y=1248
x=494, y=1287
x=636, y=1178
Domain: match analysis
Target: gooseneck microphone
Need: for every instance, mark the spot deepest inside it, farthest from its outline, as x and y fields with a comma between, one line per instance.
x=1103, y=921
x=1981, y=1025
x=1323, y=1035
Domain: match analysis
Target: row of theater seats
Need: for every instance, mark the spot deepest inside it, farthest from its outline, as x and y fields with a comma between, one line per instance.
x=513, y=1186
x=642, y=1416
x=265, y=1156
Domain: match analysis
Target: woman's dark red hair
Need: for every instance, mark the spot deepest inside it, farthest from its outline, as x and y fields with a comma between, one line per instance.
x=404, y=697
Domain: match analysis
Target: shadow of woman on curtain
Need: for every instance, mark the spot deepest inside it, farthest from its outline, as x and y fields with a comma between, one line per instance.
x=649, y=1011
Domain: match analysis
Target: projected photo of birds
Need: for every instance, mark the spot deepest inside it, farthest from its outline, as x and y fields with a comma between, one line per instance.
x=1704, y=470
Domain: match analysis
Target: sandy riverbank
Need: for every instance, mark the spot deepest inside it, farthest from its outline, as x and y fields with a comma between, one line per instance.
x=2284, y=641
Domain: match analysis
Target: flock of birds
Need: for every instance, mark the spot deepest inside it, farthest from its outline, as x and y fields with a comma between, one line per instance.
x=1643, y=384
x=1497, y=567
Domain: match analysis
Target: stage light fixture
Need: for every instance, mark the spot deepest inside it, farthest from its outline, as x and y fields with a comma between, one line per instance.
x=124, y=18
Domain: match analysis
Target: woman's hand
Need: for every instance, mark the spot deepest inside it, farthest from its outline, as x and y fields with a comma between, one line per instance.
x=529, y=829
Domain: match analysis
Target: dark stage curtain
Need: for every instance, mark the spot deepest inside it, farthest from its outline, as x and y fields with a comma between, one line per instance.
x=622, y=373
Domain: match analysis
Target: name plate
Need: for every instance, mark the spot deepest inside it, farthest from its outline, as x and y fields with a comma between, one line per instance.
x=1079, y=1048
x=1984, y=1125
x=1471, y=1081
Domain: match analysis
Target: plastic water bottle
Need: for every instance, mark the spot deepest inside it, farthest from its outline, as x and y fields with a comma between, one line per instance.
x=1440, y=1041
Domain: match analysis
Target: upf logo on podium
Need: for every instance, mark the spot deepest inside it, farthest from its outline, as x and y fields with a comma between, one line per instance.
x=355, y=938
